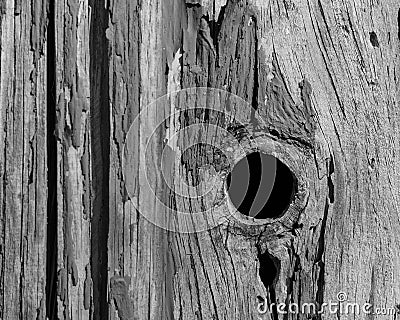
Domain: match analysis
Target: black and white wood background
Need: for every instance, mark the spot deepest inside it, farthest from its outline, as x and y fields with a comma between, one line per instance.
x=321, y=75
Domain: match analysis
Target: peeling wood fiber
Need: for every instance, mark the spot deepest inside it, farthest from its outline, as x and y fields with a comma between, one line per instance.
x=23, y=160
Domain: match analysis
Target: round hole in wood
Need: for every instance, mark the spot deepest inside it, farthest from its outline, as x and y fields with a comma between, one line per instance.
x=261, y=186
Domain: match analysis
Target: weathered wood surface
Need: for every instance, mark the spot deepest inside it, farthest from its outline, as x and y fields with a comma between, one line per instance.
x=320, y=87
x=23, y=159
x=329, y=95
x=74, y=180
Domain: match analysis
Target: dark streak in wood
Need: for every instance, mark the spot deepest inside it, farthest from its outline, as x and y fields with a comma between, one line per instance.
x=398, y=24
x=87, y=292
x=100, y=156
x=52, y=217
x=86, y=176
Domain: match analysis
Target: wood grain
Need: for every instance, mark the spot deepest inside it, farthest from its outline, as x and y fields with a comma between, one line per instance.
x=313, y=82
x=23, y=160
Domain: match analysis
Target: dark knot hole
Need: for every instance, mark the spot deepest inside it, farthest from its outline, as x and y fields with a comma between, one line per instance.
x=261, y=186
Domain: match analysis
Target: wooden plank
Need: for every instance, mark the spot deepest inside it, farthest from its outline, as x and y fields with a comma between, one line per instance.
x=23, y=160
x=74, y=164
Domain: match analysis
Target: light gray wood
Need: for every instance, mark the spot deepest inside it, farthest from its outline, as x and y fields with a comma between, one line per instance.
x=314, y=82
x=329, y=97
x=74, y=160
x=23, y=160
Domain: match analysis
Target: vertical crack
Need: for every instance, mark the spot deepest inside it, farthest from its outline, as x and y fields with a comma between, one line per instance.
x=100, y=148
x=398, y=24
x=254, y=102
x=321, y=242
x=52, y=247
x=215, y=27
x=269, y=270
x=331, y=186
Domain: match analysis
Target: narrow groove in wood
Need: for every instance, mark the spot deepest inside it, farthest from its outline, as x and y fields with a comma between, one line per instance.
x=100, y=147
x=398, y=24
x=52, y=246
x=269, y=272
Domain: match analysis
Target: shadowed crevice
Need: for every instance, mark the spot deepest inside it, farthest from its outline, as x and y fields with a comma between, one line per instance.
x=52, y=221
x=398, y=24
x=100, y=146
x=268, y=272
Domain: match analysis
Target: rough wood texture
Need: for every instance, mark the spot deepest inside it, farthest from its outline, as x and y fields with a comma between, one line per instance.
x=314, y=82
x=23, y=160
x=74, y=158
x=328, y=96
